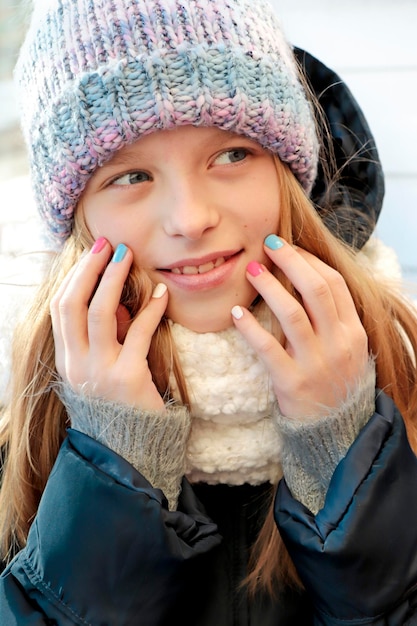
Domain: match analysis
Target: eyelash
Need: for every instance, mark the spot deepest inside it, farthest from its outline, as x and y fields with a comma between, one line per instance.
x=127, y=174
x=246, y=152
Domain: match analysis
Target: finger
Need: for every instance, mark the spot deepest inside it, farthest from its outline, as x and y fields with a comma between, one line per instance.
x=142, y=328
x=102, y=319
x=59, y=343
x=269, y=349
x=317, y=296
x=345, y=305
x=346, y=309
x=291, y=315
x=73, y=301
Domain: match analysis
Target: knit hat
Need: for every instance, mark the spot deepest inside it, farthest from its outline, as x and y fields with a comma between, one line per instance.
x=96, y=75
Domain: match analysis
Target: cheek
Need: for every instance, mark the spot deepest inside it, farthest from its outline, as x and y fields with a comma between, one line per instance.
x=92, y=218
x=266, y=220
x=104, y=218
x=268, y=205
x=102, y=225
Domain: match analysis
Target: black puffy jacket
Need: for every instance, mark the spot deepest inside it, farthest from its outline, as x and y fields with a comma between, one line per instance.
x=104, y=550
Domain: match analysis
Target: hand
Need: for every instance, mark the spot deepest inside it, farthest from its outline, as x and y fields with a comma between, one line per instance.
x=89, y=352
x=324, y=350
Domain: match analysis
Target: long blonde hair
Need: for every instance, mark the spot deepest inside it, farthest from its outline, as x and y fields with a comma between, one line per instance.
x=33, y=424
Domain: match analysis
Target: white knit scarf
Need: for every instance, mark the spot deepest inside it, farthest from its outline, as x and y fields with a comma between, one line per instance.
x=233, y=439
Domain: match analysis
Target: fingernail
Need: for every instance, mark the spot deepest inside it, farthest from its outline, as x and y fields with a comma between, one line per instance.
x=99, y=245
x=254, y=268
x=273, y=242
x=159, y=290
x=237, y=312
x=119, y=253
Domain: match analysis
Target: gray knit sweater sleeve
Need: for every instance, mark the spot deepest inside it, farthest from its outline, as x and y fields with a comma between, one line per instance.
x=153, y=442
x=312, y=448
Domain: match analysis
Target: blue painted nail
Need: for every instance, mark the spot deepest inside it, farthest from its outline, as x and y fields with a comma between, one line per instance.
x=119, y=253
x=273, y=242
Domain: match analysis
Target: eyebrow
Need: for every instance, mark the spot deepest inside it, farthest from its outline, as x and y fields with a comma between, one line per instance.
x=125, y=159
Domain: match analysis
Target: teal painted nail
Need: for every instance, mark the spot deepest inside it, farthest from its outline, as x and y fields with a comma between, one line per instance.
x=119, y=253
x=273, y=242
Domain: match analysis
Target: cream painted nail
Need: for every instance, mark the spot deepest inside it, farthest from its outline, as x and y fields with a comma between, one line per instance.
x=237, y=312
x=159, y=290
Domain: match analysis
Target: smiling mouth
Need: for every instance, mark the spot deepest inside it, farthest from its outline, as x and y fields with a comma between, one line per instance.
x=199, y=269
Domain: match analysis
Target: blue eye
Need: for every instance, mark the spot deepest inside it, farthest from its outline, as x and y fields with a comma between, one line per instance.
x=232, y=156
x=132, y=178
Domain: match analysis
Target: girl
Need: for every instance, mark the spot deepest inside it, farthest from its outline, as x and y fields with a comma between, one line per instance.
x=214, y=402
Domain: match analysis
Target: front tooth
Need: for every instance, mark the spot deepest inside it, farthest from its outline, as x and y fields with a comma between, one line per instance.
x=201, y=269
x=206, y=267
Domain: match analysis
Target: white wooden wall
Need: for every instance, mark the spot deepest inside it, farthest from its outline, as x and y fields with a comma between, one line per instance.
x=372, y=45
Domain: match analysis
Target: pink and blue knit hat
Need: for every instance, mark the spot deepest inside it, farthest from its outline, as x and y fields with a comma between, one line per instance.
x=96, y=75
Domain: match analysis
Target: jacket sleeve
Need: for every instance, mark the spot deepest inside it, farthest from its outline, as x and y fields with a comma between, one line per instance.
x=103, y=548
x=358, y=556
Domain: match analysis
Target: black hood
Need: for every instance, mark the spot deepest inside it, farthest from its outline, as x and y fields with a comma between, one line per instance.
x=351, y=206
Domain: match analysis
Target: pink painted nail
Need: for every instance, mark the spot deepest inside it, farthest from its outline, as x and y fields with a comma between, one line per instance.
x=99, y=245
x=254, y=268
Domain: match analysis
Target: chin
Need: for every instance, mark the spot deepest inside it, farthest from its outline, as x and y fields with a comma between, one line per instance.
x=203, y=324
x=210, y=312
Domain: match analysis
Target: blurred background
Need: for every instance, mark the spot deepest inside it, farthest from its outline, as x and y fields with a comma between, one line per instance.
x=372, y=45
x=18, y=220
x=12, y=27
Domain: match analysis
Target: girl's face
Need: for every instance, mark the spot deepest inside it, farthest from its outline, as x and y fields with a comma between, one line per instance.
x=194, y=205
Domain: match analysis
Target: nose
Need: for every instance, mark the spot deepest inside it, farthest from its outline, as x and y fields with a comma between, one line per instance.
x=190, y=212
